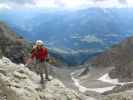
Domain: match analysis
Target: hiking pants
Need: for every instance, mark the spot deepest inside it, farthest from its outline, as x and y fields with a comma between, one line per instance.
x=41, y=67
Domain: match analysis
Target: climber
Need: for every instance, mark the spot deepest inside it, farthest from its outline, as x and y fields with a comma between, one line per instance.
x=39, y=54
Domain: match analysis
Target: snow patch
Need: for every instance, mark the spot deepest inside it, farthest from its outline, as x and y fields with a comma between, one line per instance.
x=107, y=79
x=84, y=89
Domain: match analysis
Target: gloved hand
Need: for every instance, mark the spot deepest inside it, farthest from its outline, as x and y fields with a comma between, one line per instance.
x=28, y=62
x=47, y=60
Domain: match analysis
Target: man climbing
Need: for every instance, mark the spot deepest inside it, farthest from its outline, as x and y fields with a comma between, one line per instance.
x=39, y=54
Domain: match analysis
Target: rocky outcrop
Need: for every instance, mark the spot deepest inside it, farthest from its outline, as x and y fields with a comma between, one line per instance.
x=7, y=37
x=127, y=95
x=19, y=83
x=121, y=57
x=119, y=54
x=5, y=30
x=8, y=42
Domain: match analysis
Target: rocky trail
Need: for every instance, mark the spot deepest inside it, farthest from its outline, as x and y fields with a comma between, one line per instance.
x=19, y=83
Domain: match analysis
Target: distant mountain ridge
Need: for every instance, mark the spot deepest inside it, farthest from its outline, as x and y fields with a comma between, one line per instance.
x=79, y=33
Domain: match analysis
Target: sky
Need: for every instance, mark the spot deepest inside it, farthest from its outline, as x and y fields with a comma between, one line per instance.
x=67, y=4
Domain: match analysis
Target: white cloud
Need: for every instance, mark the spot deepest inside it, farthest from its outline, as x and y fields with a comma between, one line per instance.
x=109, y=3
x=69, y=4
x=130, y=3
x=4, y=6
x=72, y=4
x=45, y=3
x=16, y=1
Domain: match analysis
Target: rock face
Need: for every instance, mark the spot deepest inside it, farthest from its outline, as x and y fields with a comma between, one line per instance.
x=127, y=95
x=121, y=57
x=19, y=83
x=8, y=42
x=7, y=37
x=119, y=54
x=5, y=30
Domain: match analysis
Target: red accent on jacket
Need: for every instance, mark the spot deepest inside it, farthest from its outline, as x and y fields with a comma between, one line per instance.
x=40, y=54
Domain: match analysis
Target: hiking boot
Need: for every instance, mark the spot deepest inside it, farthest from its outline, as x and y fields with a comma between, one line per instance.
x=48, y=79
